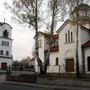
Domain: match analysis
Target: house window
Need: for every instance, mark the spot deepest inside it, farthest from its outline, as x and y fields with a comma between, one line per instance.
x=2, y=42
x=66, y=37
x=71, y=37
x=57, y=61
x=5, y=34
x=1, y=52
x=88, y=62
x=7, y=43
x=7, y=53
x=57, y=43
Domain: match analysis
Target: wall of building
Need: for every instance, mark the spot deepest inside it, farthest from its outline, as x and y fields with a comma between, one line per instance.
x=41, y=49
x=67, y=50
x=6, y=60
x=87, y=54
x=53, y=68
x=7, y=45
x=85, y=36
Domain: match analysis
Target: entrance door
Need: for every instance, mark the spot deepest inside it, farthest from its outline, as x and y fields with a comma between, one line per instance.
x=3, y=66
x=69, y=65
x=88, y=61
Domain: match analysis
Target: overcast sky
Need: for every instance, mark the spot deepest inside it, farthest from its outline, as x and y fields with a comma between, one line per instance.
x=21, y=35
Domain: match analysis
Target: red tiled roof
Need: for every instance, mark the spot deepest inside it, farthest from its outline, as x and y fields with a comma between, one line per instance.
x=87, y=44
x=55, y=36
x=55, y=49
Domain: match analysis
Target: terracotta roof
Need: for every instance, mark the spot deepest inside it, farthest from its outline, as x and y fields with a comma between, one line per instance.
x=55, y=49
x=55, y=36
x=87, y=44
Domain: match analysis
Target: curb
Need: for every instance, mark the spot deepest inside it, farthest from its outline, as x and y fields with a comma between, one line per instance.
x=46, y=86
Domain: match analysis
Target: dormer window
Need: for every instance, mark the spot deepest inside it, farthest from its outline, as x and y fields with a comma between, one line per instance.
x=5, y=34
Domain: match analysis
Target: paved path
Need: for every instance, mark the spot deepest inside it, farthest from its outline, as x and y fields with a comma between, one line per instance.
x=2, y=79
x=60, y=84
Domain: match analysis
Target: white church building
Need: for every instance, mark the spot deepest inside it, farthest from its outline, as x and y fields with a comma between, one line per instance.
x=5, y=45
x=63, y=53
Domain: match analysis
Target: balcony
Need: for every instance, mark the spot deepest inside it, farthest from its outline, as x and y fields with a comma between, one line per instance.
x=55, y=49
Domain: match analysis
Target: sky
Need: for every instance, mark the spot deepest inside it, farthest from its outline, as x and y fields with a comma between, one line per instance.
x=22, y=36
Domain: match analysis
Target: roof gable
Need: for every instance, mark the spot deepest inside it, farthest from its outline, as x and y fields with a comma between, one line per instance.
x=62, y=26
x=1, y=24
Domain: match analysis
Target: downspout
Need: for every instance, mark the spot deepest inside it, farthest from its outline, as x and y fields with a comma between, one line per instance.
x=83, y=61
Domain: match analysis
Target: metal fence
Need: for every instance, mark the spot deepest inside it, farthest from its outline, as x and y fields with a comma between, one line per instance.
x=18, y=73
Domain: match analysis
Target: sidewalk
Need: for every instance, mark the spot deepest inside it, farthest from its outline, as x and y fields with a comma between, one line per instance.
x=2, y=79
x=63, y=84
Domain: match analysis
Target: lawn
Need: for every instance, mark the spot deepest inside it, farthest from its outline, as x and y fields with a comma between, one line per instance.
x=2, y=72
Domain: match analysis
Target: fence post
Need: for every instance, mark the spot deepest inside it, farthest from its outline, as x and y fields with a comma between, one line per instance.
x=59, y=71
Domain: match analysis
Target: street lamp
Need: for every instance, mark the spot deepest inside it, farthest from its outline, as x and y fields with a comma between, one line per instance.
x=80, y=16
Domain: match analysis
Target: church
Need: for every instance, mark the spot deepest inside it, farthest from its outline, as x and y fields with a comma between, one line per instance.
x=6, y=57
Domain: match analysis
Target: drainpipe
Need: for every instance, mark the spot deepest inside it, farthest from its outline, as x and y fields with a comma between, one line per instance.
x=83, y=61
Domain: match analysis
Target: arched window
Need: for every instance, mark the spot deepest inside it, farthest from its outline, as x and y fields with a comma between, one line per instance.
x=68, y=36
x=7, y=53
x=5, y=34
x=1, y=52
x=71, y=37
x=57, y=61
x=2, y=42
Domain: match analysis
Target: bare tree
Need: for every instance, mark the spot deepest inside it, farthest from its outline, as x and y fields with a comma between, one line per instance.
x=54, y=7
x=28, y=11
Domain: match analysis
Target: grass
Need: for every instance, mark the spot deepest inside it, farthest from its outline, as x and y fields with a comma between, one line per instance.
x=2, y=72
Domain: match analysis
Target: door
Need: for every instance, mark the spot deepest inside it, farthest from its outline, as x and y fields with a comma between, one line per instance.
x=3, y=66
x=69, y=65
x=88, y=61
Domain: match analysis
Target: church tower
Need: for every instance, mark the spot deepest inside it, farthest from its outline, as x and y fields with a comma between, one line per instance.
x=5, y=45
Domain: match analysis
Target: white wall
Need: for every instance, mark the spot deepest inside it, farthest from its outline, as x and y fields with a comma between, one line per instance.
x=85, y=36
x=87, y=53
x=6, y=60
x=41, y=49
x=67, y=50
x=5, y=47
x=53, y=68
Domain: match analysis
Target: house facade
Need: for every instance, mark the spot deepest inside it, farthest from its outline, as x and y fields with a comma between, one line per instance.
x=67, y=47
x=63, y=60
x=5, y=45
x=43, y=47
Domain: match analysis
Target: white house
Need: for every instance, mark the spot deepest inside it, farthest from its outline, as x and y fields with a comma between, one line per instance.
x=43, y=47
x=64, y=59
x=5, y=45
x=67, y=47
